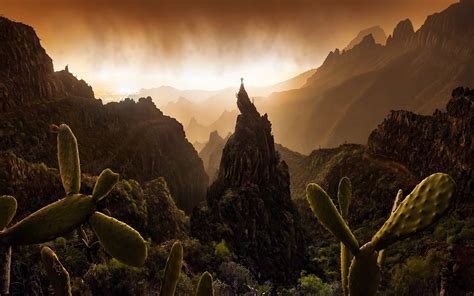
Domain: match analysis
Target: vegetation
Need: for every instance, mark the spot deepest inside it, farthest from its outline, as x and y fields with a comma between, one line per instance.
x=422, y=207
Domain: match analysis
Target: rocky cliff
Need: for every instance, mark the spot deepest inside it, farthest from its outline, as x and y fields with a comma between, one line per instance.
x=26, y=71
x=249, y=204
x=443, y=141
x=133, y=138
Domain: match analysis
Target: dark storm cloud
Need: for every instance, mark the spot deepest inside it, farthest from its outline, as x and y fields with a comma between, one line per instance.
x=151, y=33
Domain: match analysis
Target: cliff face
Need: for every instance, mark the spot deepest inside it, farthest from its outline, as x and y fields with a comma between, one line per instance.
x=414, y=71
x=26, y=71
x=428, y=144
x=133, y=138
x=249, y=204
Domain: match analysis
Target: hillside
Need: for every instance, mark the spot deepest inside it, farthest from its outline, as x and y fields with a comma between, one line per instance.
x=414, y=71
x=133, y=138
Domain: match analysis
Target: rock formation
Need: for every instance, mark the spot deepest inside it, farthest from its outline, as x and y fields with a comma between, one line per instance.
x=249, y=204
x=377, y=33
x=428, y=144
x=26, y=71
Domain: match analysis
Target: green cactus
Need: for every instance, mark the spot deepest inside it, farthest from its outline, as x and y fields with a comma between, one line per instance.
x=105, y=183
x=58, y=275
x=364, y=274
x=344, y=193
x=65, y=215
x=8, y=207
x=327, y=214
x=421, y=208
x=119, y=240
x=205, y=285
x=396, y=203
x=68, y=158
x=172, y=270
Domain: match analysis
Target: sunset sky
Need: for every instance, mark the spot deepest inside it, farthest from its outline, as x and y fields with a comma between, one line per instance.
x=124, y=45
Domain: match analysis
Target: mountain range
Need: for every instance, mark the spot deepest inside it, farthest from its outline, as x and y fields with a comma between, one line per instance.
x=353, y=90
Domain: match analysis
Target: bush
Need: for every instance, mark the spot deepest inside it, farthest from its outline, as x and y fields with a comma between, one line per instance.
x=236, y=276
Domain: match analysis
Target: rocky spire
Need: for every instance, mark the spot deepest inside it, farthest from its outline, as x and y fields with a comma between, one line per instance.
x=243, y=101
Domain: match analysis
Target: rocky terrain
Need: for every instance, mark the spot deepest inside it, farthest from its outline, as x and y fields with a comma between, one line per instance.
x=249, y=204
x=414, y=71
x=377, y=33
x=133, y=138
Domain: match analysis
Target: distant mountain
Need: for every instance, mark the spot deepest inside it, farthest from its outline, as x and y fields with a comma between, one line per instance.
x=377, y=33
x=223, y=125
x=354, y=90
x=211, y=154
x=133, y=138
x=206, y=106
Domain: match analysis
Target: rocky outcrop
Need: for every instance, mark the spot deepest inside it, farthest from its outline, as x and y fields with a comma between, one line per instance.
x=401, y=34
x=26, y=72
x=249, y=204
x=428, y=144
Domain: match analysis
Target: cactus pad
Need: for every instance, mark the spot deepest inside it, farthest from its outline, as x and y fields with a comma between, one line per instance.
x=172, y=270
x=119, y=240
x=51, y=221
x=344, y=193
x=364, y=274
x=8, y=207
x=327, y=214
x=105, y=183
x=421, y=208
x=68, y=158
x=205, y=285
x=57, y=274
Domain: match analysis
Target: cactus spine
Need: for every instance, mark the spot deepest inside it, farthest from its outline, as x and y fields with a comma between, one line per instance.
x=344, y=193
x=69, y=213
x=172, y=270
x=57, y=274
x=205, y=285
x=428, y=201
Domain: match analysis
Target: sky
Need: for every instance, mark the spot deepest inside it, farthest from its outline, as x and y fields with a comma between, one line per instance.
x=120, y=46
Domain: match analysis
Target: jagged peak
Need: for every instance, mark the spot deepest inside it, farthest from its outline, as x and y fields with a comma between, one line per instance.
x=244, y=104
x=402, y=32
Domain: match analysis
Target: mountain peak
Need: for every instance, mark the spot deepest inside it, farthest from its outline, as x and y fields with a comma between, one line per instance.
x=244, y=104
x=402, y=32
x=377, y=33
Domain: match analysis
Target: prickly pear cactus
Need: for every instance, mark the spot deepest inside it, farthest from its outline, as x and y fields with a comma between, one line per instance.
x=105, y=183
x=68, y=158
x=422, y=207
x=172, y=270
x=8, y=207
x=396, y=203
x=327, y=214
x=364, y=274
x=57, y=274
x=205, y=285
x=50, y=222
x=344, y=193
x=119, y=240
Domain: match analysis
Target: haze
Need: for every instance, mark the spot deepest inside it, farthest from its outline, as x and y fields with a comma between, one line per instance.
x=122, y=46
